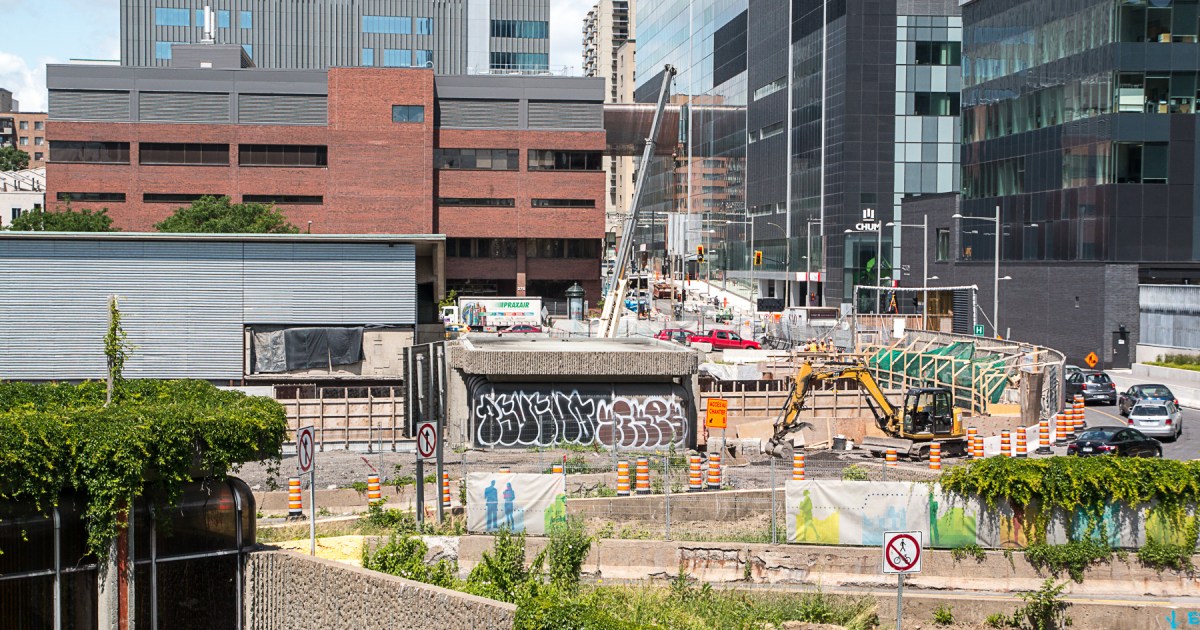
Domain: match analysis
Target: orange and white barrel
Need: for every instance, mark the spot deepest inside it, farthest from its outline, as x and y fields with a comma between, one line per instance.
x=295, y=503
x=797, y=466
x=622, y=478
x=1062, y=428
x=695, y=474
x=935, y=456
x=1043, y=437
x=972, y=436
x=889, y=458
x=505, y=470
x=714, y=471
x=1022, y=443
x=643, y=476
x=1006, y=443
x=374, y=490
x=556, y=469
x=445, y=489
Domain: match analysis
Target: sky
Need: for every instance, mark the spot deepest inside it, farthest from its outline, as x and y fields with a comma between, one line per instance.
x=38, y=32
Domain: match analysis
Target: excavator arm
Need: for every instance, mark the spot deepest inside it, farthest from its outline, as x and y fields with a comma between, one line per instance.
x=886, y=415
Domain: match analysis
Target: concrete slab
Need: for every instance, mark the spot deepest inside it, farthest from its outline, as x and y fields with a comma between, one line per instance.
x=534, y=356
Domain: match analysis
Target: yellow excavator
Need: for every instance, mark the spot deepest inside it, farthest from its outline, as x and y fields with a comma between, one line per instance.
x=928, y=415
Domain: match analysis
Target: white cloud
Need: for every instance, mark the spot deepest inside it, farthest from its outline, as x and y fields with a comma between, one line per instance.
x=566, y=33
x=28, y=84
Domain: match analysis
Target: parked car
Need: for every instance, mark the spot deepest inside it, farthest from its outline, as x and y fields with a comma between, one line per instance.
x=523, y=328
x=678, y=335
x=1140, y=393
x=724, y=340
x=1094, y=385
x=1158, y=418
x=1121, y=441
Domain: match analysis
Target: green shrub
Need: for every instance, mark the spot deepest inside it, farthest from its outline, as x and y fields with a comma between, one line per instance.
x=404, y=555
x=1074, y=557
x=943, y=616
x=1161, y=555
x=854, y=472
x=568, y=549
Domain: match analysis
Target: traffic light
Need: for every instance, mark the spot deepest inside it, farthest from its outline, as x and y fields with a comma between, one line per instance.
x=700, y=253
x=757, y=258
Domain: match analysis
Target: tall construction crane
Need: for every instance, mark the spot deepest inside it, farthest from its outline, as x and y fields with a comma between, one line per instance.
x=618, y=282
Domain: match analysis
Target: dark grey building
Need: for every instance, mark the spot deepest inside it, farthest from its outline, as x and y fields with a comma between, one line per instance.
x=807, y=119
x=451, y=36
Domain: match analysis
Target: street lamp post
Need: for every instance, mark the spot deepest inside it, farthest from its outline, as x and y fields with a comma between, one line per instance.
x=924, y=265
x=996, y=267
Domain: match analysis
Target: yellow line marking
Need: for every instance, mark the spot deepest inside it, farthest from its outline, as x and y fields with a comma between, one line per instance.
x=1105, y=413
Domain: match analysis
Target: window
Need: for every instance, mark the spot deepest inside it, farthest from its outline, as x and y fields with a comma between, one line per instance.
x=942, y=245
x=424, y=26
x=283, y=155
x=939, y=53
x=368, y=56
x=162, y=50
x=493, y=202
x=935, y=104
x=770, y=88
x=523, y=29
x=183, y=153
x=249, y=48
x=245, y=19
x=222, y=19
x=72, y=152
x=550, y=160
x=563, y=248
x=23, y=125
x=476, y=159
x=391, y=25
x=287, y=200
x=408, y=113
x=519, y=61
x=1139, y=162
x=200, y=18
x=769, y=131
x=171, y=17
x=39, y=141
x=564, y=203
x=38, y=157
x=424, y=58
x=174, y=197
x=481, y=248
x=91, y=196
x=24, y=141
x=38, y=125
x=397, y=58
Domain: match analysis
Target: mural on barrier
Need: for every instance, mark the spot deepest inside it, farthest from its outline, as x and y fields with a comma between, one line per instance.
x=529, y=503
x=857, y=513
x=631, y=415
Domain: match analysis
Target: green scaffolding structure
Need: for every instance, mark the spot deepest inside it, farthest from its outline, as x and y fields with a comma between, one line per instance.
x=976, y=379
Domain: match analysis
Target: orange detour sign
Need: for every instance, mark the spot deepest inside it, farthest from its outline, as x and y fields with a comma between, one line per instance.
x=717, y=413
x=1091, y=359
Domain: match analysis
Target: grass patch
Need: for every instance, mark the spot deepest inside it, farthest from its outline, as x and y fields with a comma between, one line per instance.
x=1178, y=361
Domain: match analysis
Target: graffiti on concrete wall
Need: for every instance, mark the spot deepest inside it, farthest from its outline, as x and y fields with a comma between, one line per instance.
x=542, y=414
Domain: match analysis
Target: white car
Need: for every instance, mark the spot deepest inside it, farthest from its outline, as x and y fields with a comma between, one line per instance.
x=1157, y=418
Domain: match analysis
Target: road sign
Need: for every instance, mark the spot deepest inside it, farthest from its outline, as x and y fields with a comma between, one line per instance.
x=978, y=330
x=426, y=440
x=718, y=412
x=1091, y=359
x=305, y=449
x=902, y=552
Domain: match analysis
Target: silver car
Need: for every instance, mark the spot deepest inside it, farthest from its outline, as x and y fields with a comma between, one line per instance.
x=1157, y=418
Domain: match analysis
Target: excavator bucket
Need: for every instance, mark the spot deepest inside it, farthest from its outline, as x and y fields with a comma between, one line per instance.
x=878, y=445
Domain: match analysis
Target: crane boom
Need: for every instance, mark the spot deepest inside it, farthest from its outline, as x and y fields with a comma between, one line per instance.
x=610, y=317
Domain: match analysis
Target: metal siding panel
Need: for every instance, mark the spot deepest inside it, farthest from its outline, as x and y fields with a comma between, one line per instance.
x=185, y=107
x=478, y=114
x=330, y=283
x=565, y=115
x=88, y=105
x=282, y=109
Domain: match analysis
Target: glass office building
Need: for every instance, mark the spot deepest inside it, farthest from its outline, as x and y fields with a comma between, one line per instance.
x=779, y=159
x=1079, y=124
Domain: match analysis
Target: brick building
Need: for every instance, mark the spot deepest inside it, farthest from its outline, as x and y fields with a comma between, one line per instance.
x=507, y=167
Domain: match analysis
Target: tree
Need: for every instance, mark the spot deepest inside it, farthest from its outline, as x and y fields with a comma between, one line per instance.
x=218, y=215
x=13, y=159
x=64, y=220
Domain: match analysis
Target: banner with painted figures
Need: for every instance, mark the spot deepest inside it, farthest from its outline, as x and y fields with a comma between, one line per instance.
x=529, y=503
x=858, y=512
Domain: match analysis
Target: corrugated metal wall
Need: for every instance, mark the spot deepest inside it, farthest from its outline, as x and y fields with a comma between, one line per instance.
x=1170, y=315
x=89, y=105
x=282, y=109
x=183, y=107
x=479, y=114
x=184, y=303
x=565, y=115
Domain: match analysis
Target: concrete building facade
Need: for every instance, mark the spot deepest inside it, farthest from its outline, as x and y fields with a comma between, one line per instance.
x=452, y=37
x=507, y=167
x=7, y=102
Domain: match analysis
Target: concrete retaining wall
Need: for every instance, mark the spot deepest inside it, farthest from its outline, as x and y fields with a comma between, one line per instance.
x=285, y=590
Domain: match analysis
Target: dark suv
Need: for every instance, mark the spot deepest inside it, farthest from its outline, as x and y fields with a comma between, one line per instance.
x=1095, y=386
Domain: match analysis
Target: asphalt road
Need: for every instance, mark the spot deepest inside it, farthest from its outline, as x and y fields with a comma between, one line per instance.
x=1186, y=447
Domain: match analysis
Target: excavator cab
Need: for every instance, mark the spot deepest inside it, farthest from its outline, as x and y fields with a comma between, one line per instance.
x=928, y=412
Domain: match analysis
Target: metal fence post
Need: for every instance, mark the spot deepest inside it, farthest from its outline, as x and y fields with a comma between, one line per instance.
x=773, y=538
x=667, y=492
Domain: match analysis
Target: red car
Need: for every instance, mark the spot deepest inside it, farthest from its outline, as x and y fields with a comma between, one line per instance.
x=523, y=328
x=678, y=335
x=724, y=340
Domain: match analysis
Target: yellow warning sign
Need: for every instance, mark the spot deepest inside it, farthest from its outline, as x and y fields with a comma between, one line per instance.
x=1091, y=359
x=718, y=412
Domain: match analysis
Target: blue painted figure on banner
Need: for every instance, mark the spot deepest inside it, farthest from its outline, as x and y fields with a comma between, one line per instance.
x=510, y=498
x=491, y=499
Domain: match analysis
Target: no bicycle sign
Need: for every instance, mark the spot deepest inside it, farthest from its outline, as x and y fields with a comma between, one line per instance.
x=902, y=552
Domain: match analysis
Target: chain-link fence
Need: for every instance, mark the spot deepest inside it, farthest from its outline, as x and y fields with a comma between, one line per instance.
x=678, y=495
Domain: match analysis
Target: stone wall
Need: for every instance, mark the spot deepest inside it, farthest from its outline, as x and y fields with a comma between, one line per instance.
x=286, y=590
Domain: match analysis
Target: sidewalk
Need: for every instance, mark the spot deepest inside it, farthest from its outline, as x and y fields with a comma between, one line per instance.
x=737, y=302
x=1187, y=392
